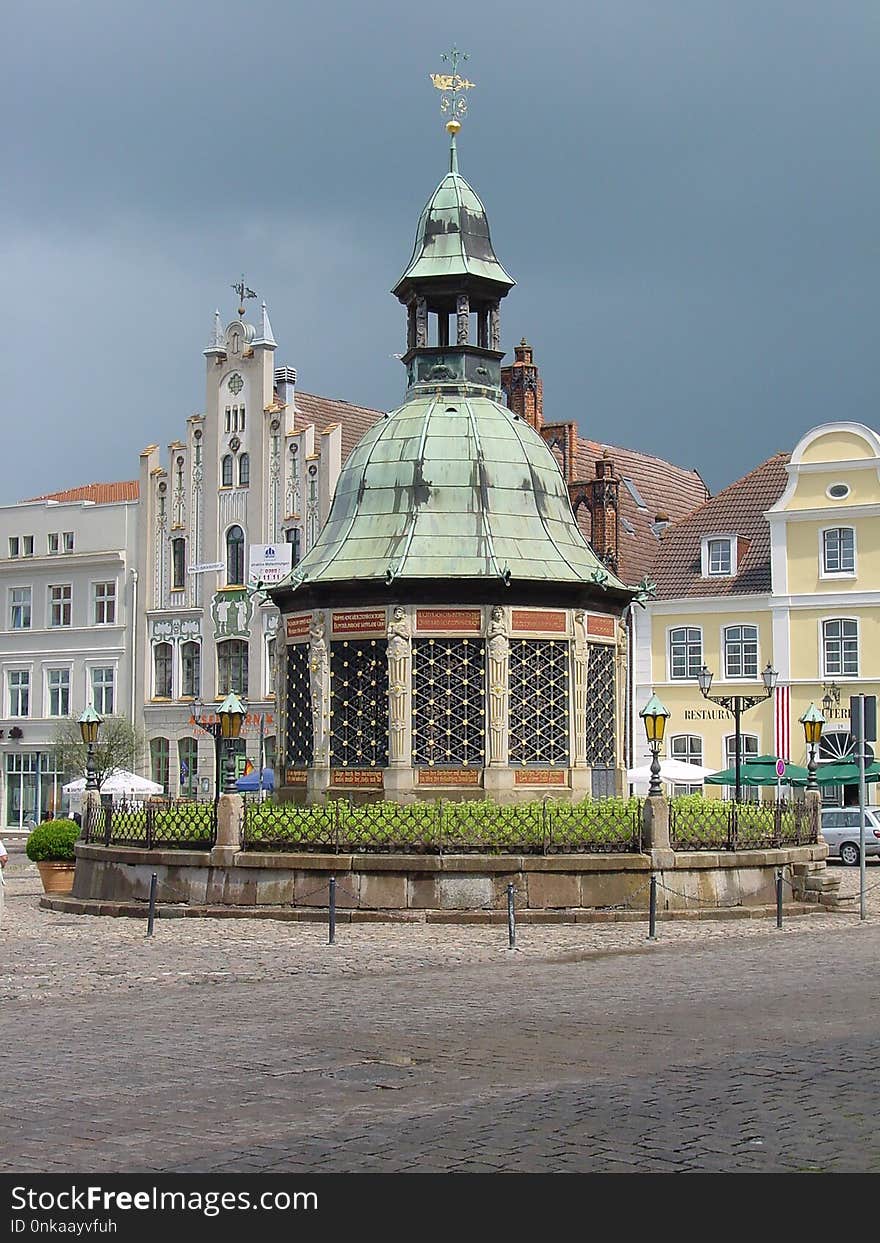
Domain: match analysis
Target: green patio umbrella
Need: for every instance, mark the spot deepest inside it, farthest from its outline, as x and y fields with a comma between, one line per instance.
x=845, y=773
x=760, y=770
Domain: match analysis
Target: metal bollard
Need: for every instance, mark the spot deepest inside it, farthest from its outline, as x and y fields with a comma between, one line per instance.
x=151, y=913
x=652, y=909
x=332, y=911
x=779, y=897
x=511, y=918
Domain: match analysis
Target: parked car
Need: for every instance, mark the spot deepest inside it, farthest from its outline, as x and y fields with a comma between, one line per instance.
x=840, y=828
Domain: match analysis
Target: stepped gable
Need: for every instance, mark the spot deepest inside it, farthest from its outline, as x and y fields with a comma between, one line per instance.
x=739, y=509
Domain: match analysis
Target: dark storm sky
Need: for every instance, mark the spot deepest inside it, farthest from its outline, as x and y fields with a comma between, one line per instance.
x=686, y=192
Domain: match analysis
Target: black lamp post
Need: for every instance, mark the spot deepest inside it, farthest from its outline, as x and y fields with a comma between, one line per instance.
x=655, y=715
x=231, y=713
x=736, y=705
x=812, y=721
x=216, y=730
x=89, y=724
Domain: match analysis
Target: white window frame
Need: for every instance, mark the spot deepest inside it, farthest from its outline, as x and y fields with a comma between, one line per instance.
x=27, y=670
x=68, y=541
x=90, y=688
x=824, y=572
x=12, y=604
x=27, y=545
x=14, y=547
x=732, y=542
x=53, y=543
x=62, y=625
x=58, y=689
x=823, y=653
x=105, y=600
x=685, y=677
x=742, y=677
x=680, y=787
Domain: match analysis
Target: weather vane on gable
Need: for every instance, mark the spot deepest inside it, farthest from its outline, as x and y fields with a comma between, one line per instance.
x=243, y=292
x=453, y=103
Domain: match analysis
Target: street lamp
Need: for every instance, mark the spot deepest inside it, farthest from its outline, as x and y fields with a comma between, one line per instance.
x=831, y=698
x=812, y=721
x=89, y=724
x=215, y=729
x=736, y=705
x=655, y=716
x=231, y=713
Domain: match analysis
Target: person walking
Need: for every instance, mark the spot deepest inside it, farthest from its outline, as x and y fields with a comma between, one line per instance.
x=4, y=859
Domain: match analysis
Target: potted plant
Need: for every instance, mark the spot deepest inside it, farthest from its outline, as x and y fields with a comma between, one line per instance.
x=50, y=846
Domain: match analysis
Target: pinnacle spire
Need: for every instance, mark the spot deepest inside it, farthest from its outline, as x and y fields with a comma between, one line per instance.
x=216, y=344
x=265, y=337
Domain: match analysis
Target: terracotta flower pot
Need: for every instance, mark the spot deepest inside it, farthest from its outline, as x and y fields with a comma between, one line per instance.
x=57, y=875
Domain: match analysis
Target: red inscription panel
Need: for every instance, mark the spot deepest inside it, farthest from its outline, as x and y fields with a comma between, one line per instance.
x=296, y=777
x=601, y=624
x=359, y=623
x=356, y=777
x=538, y=777
x=449, y=620
x=298, y=626
x=448, y=777
x=545, y=620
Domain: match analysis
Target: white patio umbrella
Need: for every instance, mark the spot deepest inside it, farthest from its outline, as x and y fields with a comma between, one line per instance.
x=121, y=783
x=671, y=770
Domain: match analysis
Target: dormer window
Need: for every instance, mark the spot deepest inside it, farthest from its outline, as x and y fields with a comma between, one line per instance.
x=719, y=556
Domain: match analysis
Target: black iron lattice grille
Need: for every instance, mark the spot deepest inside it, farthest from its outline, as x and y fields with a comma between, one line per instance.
x=601, y=706
x=538, y=701
x=448, y=702
x=300, y=739
x=359, y=703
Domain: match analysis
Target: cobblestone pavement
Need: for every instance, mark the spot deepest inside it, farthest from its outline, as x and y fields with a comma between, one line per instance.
x=250, y=1046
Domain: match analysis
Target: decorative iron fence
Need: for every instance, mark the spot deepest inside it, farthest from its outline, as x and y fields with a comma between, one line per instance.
x=715, y=824
x=174, y=826
x=444, y=827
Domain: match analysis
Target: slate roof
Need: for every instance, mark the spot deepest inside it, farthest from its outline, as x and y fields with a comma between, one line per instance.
x=99, y=493
x=673, y=491
x=738, y=510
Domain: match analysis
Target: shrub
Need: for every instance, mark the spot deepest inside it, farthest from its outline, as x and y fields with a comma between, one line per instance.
x=53, y=841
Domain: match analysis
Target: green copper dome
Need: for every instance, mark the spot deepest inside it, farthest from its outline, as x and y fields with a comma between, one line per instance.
x=452, y=238
x=454, y=487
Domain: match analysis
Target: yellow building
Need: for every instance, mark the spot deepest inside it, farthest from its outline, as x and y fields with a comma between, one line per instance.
x=781, y=567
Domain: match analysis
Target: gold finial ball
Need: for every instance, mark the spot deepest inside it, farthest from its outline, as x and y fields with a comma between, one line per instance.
x=453, y=126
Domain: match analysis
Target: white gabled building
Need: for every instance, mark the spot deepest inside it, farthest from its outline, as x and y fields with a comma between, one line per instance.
x=67, y=594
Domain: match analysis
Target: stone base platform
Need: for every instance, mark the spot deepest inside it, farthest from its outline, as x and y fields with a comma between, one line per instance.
x=468, y=888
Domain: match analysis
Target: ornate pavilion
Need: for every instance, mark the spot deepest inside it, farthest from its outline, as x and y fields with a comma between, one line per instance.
x=451, y=632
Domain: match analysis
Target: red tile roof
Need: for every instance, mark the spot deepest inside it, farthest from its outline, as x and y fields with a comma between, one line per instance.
x=99, y=493
x=323, y=412
x=668, y=491
x=738, y=510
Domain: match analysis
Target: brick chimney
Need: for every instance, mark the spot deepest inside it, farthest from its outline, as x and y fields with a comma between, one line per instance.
x=522, y=386
x=603, y=504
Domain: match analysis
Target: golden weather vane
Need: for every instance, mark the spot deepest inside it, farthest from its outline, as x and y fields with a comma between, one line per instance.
x=454, y=88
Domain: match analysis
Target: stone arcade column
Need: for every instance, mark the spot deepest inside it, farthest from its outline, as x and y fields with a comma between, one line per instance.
x=399, y=773
x=580, y=773
x=497, y=776
x=319, y=687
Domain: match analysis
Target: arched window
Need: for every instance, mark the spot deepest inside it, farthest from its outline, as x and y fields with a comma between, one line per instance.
x=232, y=667
x=689, y=749
x=235, y=557
x=244, y=470
x=162, y=666
x=159, y=759
x=188, y=754
x=190, y=670
x=226, y=471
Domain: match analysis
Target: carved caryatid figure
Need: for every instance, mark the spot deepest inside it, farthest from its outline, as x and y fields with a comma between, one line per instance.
x=319, y=687
x=499, y=653
x=581, y=669
x=399, y=656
